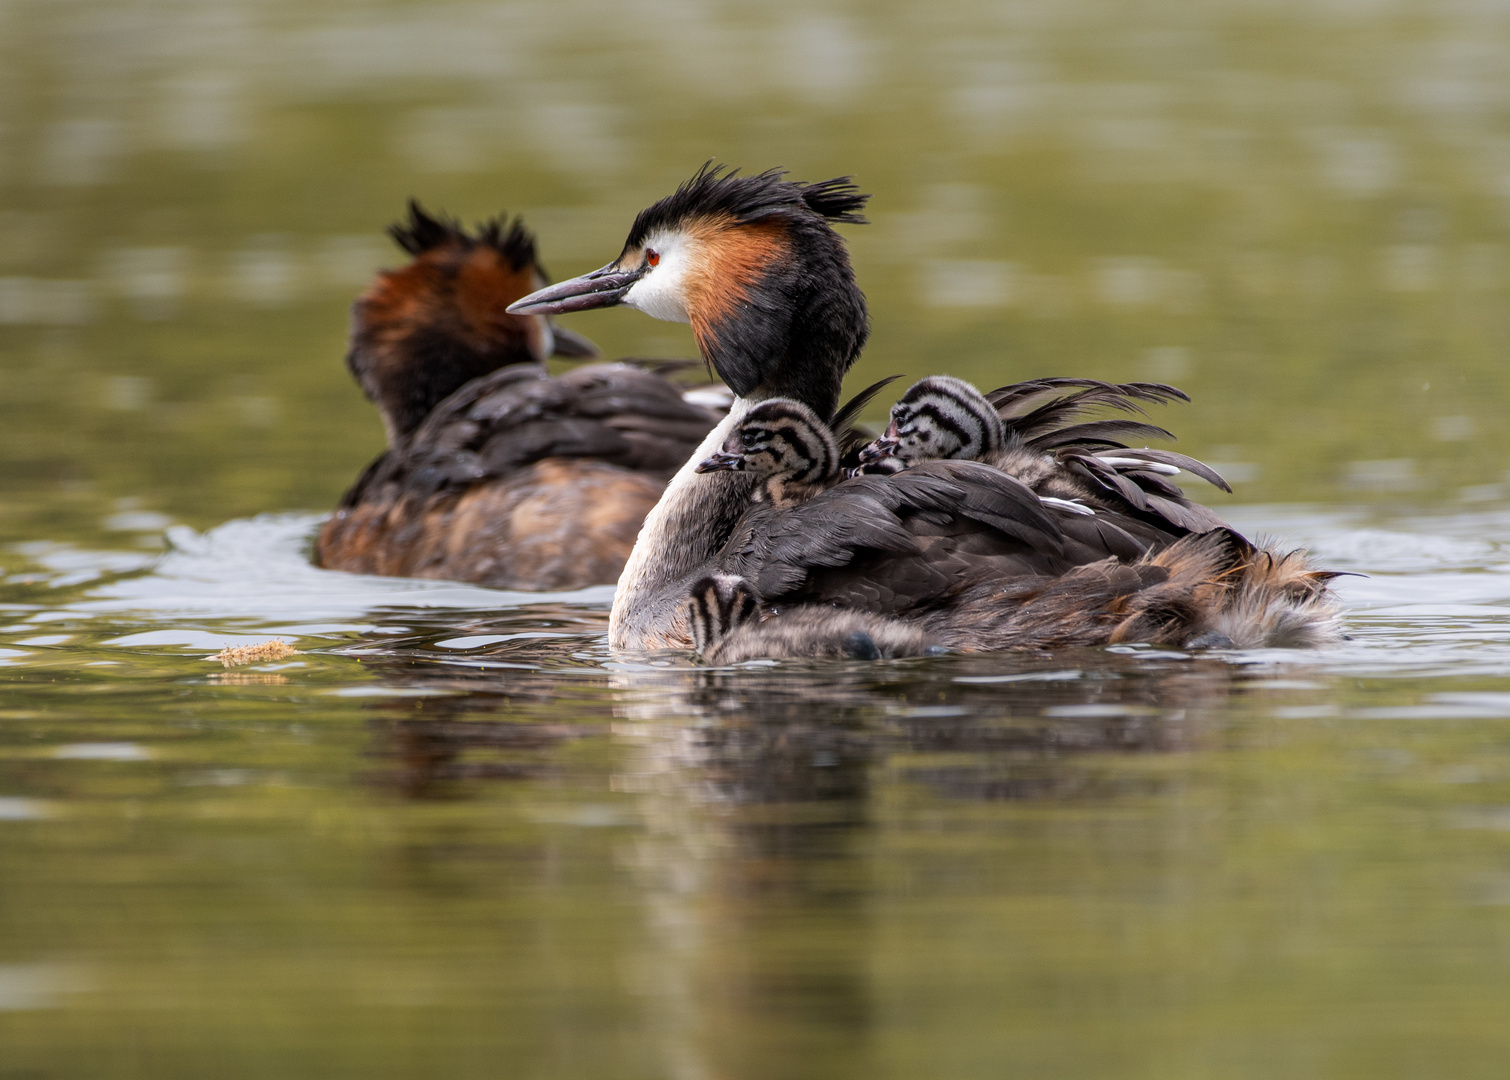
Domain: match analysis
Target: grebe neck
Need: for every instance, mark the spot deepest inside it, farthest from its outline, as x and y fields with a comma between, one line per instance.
x=684, y=530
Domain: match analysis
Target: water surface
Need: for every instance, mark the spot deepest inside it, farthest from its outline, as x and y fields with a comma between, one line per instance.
x=454, y=836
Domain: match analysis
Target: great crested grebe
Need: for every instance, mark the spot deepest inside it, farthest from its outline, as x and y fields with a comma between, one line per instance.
x=754, y=264
x=496, y=473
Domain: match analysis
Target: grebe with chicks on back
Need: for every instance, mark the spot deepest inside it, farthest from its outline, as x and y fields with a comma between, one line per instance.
x=968, y=552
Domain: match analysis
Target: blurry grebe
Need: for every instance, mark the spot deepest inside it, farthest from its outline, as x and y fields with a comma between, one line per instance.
x=972, y=553
x=496, y=473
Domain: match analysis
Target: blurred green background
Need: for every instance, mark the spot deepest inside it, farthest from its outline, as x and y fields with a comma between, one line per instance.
x=454, y=837
x=1297, y=211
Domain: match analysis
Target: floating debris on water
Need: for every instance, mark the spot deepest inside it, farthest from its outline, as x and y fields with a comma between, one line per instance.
x=234, y=655
x=248, y=678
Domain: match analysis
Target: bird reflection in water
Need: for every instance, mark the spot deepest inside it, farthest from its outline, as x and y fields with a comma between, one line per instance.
x=771, y=794
x=994, y=727
x=750, y=795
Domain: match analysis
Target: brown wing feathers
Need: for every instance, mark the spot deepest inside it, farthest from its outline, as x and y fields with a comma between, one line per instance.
x=520, y=481
x=1075, y=398
x=516, y=416
x=975, y=560
x=1095, y=452
x=900, y=530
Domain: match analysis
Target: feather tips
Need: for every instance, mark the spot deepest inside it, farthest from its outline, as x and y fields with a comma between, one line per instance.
x=517, y=415
x=424, y=232
x=717, y=191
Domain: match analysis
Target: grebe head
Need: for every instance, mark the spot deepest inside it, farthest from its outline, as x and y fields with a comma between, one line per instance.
x=939, y=417
x=780, y=441
x=420, y=332
x=754, y=264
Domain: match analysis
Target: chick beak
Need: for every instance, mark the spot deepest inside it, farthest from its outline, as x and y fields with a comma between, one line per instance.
x=884, y=447
x=723, y=461
x=599, y=289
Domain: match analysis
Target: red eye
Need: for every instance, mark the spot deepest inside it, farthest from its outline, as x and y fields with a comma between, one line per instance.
x=653, y=257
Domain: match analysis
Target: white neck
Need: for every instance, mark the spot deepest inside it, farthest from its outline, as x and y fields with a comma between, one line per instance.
x=684, y=530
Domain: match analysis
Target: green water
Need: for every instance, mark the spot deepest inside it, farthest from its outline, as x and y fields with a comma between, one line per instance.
x=455, y=837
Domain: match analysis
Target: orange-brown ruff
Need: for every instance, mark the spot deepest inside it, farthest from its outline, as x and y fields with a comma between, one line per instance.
x=731, y=263
x=496, y=473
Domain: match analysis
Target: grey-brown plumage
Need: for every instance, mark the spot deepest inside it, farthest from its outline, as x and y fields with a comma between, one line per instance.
x=724, y=616
x=496, y=473
x=928, y=550
x=897, y=544
x=1212, y=590
x=520, y=481
x=911, y=542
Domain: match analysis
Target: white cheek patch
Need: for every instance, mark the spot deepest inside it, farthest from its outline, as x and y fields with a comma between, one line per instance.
x=661, y=293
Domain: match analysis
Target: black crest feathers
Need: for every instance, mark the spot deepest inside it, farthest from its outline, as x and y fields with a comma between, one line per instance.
x=425, y=232
x=717, y=190
x=837, y=200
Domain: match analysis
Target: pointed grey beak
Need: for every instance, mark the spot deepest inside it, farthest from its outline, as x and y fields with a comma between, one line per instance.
x=721, y=462
x=601, y=288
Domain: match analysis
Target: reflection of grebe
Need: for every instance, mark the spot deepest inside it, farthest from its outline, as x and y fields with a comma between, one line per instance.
x=496, y=473
x=967, y=550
